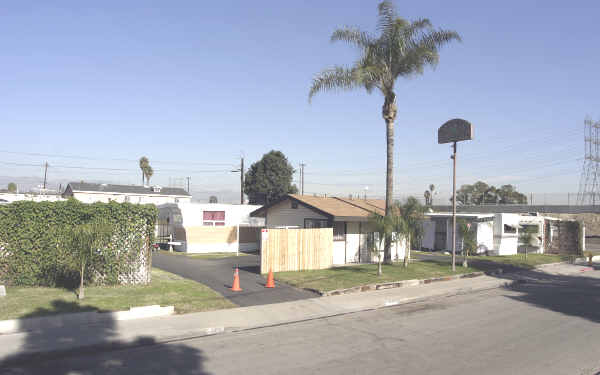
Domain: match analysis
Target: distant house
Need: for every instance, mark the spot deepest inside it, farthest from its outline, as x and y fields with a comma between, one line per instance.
x=6, y=197
x=90, y=193
x=349, y=218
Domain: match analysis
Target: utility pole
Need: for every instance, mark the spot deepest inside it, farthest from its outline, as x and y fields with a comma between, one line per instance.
x=242, y=181
x=45, y=174
x=188, y=184
x=241, y=170
x=302, y=178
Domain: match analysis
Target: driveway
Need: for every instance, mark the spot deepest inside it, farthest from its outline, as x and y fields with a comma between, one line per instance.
x=218, y=275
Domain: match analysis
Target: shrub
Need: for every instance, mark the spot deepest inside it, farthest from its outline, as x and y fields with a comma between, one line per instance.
x=34, y=238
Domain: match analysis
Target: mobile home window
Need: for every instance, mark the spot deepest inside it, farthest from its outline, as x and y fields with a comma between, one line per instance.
x=339, y=231
x=214, y=218
x=532, y=227
x=316, y=223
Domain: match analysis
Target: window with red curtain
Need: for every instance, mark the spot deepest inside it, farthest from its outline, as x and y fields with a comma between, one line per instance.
x=214, y=215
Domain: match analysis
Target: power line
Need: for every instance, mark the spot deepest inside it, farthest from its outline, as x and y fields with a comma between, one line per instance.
x=110, y=159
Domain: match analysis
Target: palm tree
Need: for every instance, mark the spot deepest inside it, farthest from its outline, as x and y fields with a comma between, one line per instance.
x=144, y=163
x=403, y=48
x=431, y=189
x=149, y=172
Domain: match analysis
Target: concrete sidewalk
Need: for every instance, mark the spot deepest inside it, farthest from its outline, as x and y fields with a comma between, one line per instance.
x=52, y=342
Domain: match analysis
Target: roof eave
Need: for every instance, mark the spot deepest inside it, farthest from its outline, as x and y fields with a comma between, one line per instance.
x=351, y=218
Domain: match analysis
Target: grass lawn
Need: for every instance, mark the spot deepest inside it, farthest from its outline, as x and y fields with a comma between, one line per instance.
x=349, y=276
x=520, y=261
x=165, y=289
x=206, y=255
x=517, y=260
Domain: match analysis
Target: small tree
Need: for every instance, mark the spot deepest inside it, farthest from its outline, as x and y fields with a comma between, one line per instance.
x=527, y=237
x=85, y=242
x=400, y=228
x=406, y=219
x=12, y=187
x=381, y=226
x=468, y=238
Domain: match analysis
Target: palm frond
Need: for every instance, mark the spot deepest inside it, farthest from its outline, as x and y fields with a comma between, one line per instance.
x=336, y=78
x=387, y=16
x=352, y=35
x=421, y=23
x=436, y=39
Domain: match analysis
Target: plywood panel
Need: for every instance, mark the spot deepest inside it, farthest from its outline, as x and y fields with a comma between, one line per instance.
x=211, y=235
x=296, y=249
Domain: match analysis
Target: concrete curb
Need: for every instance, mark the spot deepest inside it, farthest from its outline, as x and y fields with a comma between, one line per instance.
x=82, y=318
x=576, y=261
x=395, y=284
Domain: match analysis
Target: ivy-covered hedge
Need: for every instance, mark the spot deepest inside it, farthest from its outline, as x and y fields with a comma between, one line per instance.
x=32, y=234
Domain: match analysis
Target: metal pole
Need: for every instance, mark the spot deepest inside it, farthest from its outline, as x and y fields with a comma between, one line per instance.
x=454, y=207
x=45, y=174
x=242, y=182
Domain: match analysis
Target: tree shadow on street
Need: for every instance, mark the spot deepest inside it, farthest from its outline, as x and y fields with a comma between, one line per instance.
x=573, y=295
x=85, y=343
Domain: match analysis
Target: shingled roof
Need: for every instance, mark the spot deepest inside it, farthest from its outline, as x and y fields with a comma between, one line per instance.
x=336, y=208
x=125, y=189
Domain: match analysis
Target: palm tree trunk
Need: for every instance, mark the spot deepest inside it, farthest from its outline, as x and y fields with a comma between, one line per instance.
x=465, y=262
x=389, y=115
x=407, y=253
x=81, y=294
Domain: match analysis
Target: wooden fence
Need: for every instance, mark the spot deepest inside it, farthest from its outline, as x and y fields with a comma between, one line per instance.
x=296, y=249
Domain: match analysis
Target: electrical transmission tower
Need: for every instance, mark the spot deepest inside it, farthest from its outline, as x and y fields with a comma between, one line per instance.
x=589, y=184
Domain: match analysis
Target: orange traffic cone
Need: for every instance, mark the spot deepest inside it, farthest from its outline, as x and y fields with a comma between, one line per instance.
x=270, y=282
x=236, y=281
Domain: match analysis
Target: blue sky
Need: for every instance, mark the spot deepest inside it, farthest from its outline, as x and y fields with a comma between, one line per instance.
x=192, y=85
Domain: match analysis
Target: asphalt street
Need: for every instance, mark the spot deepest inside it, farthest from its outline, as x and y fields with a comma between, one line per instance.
x=217, y=274
x=547, y=325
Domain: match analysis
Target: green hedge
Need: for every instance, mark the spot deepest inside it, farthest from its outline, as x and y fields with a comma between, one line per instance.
x=31, y=234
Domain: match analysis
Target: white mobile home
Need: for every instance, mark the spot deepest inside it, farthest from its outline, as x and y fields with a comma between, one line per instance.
x=209, y=227
x=497, y=234
x=348, y=218
x=437, y=231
